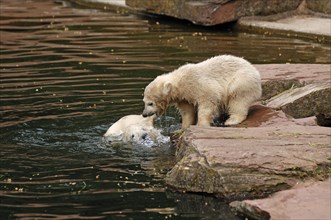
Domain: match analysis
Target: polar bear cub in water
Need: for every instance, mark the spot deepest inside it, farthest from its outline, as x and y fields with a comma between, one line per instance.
x=134, y=129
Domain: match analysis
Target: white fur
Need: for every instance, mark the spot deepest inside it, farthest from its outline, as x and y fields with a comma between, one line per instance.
x=132, y=128
x=204, y=90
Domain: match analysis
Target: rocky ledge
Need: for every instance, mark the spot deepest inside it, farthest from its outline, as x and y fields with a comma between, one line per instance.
x=291, y=204
x=269, y=152
x=211, y=12
x=242, y=162
x=308, y=19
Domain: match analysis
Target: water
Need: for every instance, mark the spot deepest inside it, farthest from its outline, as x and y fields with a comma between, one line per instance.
x=68, y=73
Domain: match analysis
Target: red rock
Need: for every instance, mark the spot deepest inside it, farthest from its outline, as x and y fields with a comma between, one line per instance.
x=269, y=152
x=250, y=162
x=215, y=11
x=304, y=201
x=303, y=72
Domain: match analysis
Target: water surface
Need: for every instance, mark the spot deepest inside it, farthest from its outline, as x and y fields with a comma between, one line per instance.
x=68, y=73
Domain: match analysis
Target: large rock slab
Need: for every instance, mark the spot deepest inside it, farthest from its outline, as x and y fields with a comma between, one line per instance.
x=302, y=26
x=312, y=99
x=291, y=204
x=241, y=162
x=213, y=12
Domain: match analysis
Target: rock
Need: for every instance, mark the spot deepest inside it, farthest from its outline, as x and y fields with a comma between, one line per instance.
x=241, y=162
x=298, y=26
x=268, y=152
x=277, y=78
x=246, y=210
x=213, y=12
x=103, y=4
x=274, y=87
x=312, y=99
x=305, y=73
x=205, y=205
x=322, y=6
x=323, y=120
x=291, y=204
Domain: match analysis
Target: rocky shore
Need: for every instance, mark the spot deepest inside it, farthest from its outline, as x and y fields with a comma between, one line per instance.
x=222, y=11
x=269, y=152
x=296, y=18
x=308, y=19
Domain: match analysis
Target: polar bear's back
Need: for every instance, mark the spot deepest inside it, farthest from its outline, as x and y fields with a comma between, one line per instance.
x=219, y=78
x=226, y=67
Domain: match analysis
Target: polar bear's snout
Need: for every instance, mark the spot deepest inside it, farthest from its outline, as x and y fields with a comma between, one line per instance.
x=150, y=108
x=147, y=113
x=139, y=137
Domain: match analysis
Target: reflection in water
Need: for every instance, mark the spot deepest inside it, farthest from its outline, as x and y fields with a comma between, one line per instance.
x=66, y=74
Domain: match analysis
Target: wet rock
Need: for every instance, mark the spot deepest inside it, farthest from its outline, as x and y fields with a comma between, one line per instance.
x=241, y=162
x=323, y=120
x=206, y=205
x=214, y=11
x=312, y=99
x=290, y=204
x=246, y=210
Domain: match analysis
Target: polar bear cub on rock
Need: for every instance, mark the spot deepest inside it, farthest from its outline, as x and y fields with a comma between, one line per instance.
x=203, y=91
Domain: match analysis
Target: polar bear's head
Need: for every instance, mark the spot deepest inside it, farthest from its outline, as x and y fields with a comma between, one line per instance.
x=131, y=128
x=156, y=96
x=136, y=133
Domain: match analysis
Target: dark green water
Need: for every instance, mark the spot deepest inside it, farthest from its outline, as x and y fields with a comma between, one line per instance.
x=67, y=74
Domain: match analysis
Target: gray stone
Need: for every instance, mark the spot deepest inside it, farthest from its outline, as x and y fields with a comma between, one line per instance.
x=250, y=211
x=312, y=99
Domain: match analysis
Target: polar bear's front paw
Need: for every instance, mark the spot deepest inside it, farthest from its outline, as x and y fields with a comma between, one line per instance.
x=234, y=120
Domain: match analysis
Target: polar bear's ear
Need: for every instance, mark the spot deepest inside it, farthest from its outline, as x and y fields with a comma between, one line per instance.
x=167, y=88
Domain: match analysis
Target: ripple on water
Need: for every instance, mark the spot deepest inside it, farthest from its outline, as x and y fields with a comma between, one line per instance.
x=64, y=180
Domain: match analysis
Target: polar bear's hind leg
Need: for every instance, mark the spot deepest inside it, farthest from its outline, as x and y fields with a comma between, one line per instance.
x=237, y=110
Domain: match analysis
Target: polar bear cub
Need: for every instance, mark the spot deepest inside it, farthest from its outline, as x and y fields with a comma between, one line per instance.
x=132, y=129
x=203, y=91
